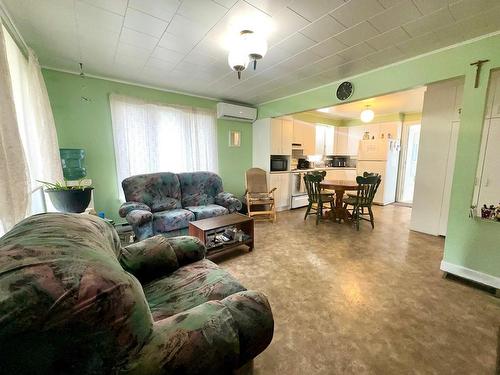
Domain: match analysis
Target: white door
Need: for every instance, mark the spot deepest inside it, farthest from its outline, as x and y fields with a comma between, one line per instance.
x=408, y=168
x=450, y=168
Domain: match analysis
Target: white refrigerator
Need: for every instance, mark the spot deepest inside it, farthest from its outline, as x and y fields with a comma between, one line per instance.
x=380, y=156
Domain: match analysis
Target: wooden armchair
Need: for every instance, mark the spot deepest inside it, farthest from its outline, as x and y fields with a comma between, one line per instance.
x=260, y=200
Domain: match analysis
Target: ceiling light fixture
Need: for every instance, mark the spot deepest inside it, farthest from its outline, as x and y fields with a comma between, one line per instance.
x=249, y=46
x=255, y=45
x=238, y=60
x=367, y=114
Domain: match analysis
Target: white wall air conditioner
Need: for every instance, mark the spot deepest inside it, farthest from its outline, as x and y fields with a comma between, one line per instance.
x=229, y=111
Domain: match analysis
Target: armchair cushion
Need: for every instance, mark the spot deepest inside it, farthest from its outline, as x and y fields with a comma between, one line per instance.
x=165, y=204
x=188, y=287
x=229, y=201
x=155, y=256
x=154, y=189
x=166, y=221
x=139, y=217
x=210, y=210
x=199, y=188
x=130, y=206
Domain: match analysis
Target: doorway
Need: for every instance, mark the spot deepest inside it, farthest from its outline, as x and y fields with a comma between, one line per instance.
x=410, y=140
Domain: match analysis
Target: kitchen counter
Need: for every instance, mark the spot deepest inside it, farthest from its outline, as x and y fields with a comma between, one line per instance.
x=316, y=169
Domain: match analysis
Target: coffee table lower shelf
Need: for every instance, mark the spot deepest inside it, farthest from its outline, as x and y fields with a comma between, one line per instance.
x=201, y=228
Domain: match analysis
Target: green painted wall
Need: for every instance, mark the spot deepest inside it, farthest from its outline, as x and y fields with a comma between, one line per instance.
x=87, y=125
x=470, y=243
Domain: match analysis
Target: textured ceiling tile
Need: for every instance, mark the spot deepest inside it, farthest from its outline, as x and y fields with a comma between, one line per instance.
x=401, y=13
x=428, y=23
x=138, y=39
x=167, y=55
x=164, y=9
x=202, y=11
x=115, y=6
x=181, y=26
x=144, y=23
x=296, y=43
x=356, y=52
x=394, y=36
x=356, y=11
x=313, y=9
x=328, y=47
x=92, y=15
x=357, y=34
x=467, y=8
x=386, y=56
x=286, y=22
x=430, y=6
x=419, y=45
x=226, y=3
x=177, y=43
x=322, y=29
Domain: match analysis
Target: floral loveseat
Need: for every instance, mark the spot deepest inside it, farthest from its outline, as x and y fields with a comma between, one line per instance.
x=167, y=202
x=73, y=301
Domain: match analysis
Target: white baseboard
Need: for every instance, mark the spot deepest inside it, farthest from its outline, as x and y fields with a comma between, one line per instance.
x=467, y=273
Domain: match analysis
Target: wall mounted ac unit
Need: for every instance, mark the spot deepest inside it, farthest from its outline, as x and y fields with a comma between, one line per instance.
x=229, y=111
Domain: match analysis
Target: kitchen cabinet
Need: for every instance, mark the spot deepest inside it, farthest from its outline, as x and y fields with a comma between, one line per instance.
x=282, y=195
x=304, y=133
x=355, y=135
x=325, y=139
x=281, y=136
x=341, y=140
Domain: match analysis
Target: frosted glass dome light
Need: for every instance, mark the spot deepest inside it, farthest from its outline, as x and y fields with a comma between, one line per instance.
x=254, y=44
x=367, y=115
x=238, y=60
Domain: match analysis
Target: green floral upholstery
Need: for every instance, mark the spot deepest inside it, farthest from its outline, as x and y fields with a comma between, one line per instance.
x=210, y=210
x=71, y=303
x=157, y=202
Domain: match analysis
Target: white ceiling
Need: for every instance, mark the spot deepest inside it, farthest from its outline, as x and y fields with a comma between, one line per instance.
x=410, y=101
x=181, y=44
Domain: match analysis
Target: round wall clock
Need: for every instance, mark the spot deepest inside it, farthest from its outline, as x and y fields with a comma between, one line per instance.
x=345, y=90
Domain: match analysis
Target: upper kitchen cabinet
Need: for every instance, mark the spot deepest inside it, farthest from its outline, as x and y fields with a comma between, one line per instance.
x=325, y=139
x=355, y=135
x=341, y=146
x=281, y=136
x=304, y=133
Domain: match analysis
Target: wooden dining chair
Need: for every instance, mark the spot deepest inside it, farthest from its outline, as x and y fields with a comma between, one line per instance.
x=260, y=201
x=367, y=188
x=316, y=198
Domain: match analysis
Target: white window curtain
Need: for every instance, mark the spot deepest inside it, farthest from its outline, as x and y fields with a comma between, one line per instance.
x=31, y=135
x=152, y=137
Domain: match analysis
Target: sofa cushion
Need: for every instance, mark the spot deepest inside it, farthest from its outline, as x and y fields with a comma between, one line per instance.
x=199, y=188
x=159, y=191
x=188, y=287
x=210, y=210
x=167, y=221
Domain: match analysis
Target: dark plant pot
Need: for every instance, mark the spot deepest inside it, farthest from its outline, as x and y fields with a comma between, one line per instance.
x=75, y=201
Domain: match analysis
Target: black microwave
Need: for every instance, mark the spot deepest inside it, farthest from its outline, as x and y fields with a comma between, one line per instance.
x=279, y=163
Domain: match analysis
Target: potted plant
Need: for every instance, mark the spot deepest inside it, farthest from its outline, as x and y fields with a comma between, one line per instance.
x=68, y=198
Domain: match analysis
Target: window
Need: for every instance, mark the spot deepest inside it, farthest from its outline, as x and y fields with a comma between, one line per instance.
x=152, y=137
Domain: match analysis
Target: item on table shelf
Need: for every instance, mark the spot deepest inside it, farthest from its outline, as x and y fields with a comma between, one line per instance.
x=491, y=212
x=382, y=136
x=366, y=136
x=389, y=136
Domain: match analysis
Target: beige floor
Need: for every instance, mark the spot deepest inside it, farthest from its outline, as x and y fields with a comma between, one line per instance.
x=367, y=302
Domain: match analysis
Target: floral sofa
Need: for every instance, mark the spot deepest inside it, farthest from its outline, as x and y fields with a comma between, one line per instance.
x=73, y=301
x=166, y=202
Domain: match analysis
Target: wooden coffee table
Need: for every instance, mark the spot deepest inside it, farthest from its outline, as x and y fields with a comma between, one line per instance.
x=205, y=227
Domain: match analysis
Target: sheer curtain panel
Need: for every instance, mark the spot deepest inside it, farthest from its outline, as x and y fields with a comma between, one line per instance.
x=152, y=137
x=14, y=177
x=35, y=130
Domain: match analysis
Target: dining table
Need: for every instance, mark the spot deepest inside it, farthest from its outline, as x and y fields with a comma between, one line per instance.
x=340, y=187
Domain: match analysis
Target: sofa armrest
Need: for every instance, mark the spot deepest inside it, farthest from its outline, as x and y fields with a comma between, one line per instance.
x=229, y=201
x=127, y=207
x=215, y=337
x=158, y=256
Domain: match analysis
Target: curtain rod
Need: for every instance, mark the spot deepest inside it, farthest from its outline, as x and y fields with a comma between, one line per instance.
x=6, y=21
